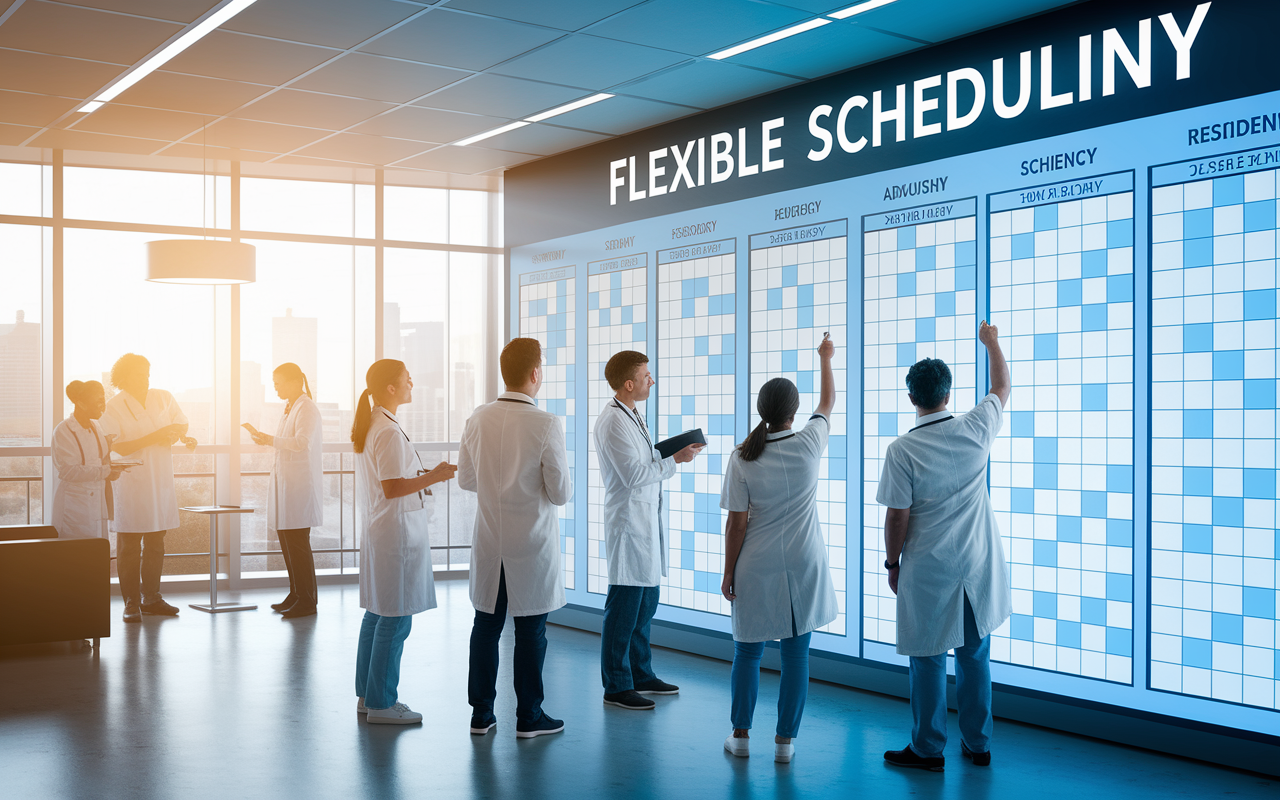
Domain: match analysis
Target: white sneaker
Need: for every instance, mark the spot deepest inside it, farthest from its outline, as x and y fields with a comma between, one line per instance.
x=399, y=714
x=361, y=708
x=738, y=747
x=782, y=753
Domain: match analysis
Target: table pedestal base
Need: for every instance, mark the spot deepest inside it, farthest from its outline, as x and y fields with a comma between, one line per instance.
x=217, y=608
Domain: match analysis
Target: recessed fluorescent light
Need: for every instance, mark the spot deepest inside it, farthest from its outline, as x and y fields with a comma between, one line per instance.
x=209, y=23
x=858, y=9
x=481, y=136
x=770, y=39
x=567, y=107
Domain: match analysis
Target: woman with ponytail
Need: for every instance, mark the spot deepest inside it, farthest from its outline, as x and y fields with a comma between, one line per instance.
x=395, y=550
x=83, y=503
x=295, y=492
x=775, y=561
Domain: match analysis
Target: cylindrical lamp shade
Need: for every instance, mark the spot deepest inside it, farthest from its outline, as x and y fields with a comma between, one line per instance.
x=200, y=261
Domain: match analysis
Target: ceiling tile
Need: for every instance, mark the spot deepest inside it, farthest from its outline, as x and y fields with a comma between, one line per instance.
x=353, y=147
x=831, y=48
x=192, y=93
x=707, y=84
x=83, y=33
x=250, y=135
x=567, y=15
x=940, y=20
x=94, y=142
x=460, y=40
x=619, y=115
x=68, y=77
x=311, y=110
x=465, y=160
x=704, y=27
x=543, y=140
x=15, y=134
x=377, y=78
x=428, y=124
x=501, y=96
x=176, y=10
x=147, y=123
x=303, y=161
x=239, y=57
x=32, y=109
x=611, y=62
x=334, y=23
x=817, y=6
x=185, y=150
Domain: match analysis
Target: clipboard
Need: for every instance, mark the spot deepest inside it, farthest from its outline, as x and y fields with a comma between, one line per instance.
x=669, y=447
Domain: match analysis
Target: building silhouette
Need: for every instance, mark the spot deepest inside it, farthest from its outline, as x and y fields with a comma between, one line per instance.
x=21, y=397
x=295, y=339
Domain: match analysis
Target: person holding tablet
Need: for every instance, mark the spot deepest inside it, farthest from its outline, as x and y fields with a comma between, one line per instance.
x=395, y=548
x=83, y=502
x=295, y=493
x=775, y=562
x=145, y=424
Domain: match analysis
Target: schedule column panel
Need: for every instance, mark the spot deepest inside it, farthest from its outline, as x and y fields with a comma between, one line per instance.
x=919, y=279
x=696, y=387
x=799, y=291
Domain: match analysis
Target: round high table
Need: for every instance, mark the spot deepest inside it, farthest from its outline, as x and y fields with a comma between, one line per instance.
x=212, y=512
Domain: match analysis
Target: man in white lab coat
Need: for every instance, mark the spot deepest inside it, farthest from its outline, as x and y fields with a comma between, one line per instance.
x=944, y=557
x=513, y=456
x=634, y=533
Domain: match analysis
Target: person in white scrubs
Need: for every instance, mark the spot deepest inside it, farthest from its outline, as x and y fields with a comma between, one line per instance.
x=635, y=535
x=295, y=491
x=83, y=501
x=944, y=556
x=512, y=455
x=775, y=563
x=395, y=546
x=145, y=424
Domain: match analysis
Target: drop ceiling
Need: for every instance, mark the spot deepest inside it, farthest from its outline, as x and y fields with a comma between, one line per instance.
x=396, y=84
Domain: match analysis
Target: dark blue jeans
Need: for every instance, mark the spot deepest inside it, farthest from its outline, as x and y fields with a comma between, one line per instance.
x=626, y=661
x=531, y=651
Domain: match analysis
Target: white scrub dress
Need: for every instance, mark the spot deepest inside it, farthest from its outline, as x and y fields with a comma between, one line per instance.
x=146, y=500
x=82, y=502
x=782, y=579
x=295, y=491
x=395, y=548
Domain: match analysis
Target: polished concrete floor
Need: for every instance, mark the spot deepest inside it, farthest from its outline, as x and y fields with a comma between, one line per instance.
x=246, y=705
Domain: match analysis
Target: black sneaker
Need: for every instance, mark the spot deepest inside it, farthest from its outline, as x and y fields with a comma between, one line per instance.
x=483, y=723
x=132, y=611
x=656, y=686
x=906, y=757
x=978, y=759
x=159, y=608
x=630, y=700
x=542, y=727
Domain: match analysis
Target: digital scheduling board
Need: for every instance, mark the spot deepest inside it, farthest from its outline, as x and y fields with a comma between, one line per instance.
x=1101, y=184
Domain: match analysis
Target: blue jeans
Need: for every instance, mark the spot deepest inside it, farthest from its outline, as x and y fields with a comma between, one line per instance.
x=526, y=673
x=744, y=683
x=626, y=660
x=973, y=694
x=378, y=658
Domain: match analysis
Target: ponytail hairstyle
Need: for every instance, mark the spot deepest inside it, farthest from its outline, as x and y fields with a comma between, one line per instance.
x=777, y=403
x=381, y=375
x=291, y=371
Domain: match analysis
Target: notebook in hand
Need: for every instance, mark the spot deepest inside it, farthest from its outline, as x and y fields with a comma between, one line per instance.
x=680, y=441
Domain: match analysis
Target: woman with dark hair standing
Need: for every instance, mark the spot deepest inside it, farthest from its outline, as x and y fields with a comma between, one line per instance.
x=295, y=494
x=395, y=549
x=82, y=503
x=775, y=561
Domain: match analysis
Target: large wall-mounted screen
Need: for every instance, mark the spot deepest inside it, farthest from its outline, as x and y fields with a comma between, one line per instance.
x=1121, y=231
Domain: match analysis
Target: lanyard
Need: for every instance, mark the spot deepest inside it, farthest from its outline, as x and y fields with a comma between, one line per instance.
x=927, y=424
x=635, y=419
x=418, y=458
x=97, y=441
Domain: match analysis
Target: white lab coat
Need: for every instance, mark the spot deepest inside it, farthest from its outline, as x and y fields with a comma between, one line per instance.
x=635, y=529
x=145, y=497
x=781, y=577
x=82, y=460
x=513, y=456
x=295, y=492
x=938, y=470
x=395, y=548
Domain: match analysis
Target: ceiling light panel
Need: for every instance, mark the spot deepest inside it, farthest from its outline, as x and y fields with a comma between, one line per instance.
x=567, y=107
x=770, y=39
x=859, y=9
x=487, y=134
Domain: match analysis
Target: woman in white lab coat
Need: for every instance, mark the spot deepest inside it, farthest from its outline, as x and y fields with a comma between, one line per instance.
x=295, y=491
x=775, y=562
x=82, y=503
x=145, y=424
x=395, y=549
